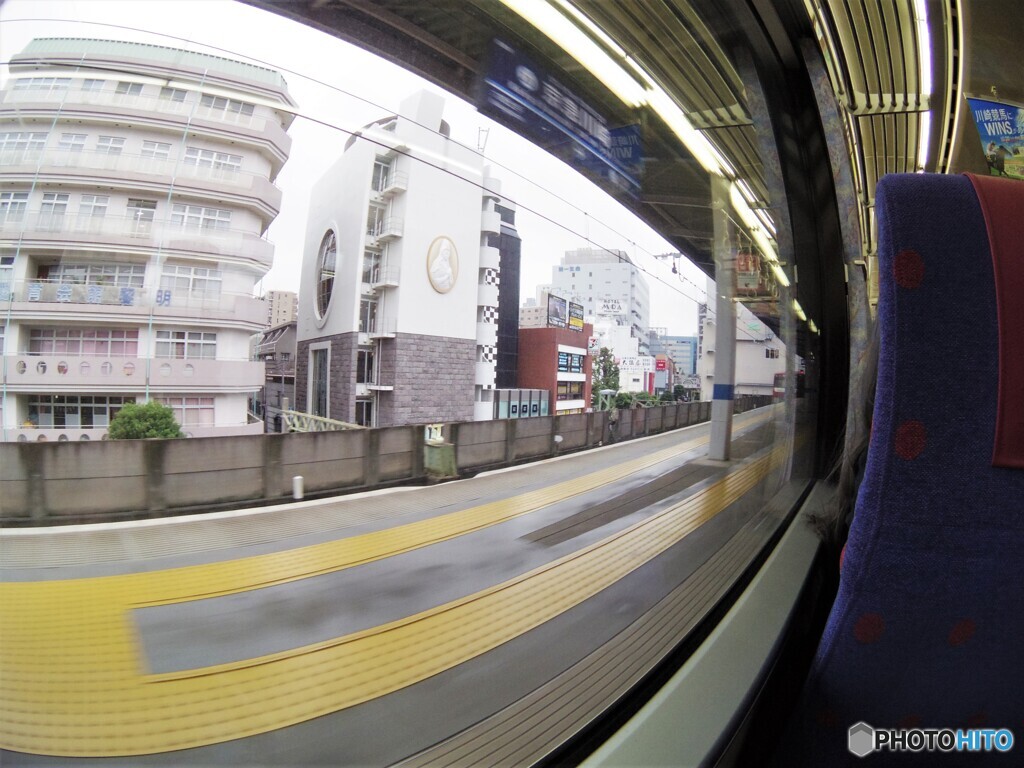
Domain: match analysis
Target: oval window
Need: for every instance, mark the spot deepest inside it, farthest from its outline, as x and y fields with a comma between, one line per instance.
x=327, y=262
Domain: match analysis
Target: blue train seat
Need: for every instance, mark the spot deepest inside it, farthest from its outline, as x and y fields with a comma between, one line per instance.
x=927, y=630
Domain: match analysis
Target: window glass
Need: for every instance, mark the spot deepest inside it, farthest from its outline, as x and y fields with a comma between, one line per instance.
x=326, y=266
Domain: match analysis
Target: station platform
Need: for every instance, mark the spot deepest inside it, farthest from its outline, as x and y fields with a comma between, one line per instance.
x=482, y=621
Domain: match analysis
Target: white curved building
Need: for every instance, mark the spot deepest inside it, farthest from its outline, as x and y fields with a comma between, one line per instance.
x=399, y=295
x=136, y=189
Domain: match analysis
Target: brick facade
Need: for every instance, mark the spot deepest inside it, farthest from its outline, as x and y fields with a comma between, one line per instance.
x=433, y=379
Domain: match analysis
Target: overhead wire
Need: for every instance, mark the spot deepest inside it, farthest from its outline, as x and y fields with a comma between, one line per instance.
x=359, y=131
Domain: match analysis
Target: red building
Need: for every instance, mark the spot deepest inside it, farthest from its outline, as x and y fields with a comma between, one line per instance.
x=556, y=360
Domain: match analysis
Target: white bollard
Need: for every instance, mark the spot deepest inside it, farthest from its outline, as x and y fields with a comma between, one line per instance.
x=297, y=487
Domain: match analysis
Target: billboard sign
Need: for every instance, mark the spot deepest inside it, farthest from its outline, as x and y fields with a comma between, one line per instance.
x=529, y=99
x=610, y=307
x=1001, y=130
x=557, y=311
x=637, y=364
x=575, y=317
x=661, y=365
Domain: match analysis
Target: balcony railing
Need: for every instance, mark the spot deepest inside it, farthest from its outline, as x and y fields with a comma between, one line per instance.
x=108, y=98
x=54, y=372
x=396, y=182
x=385, y=276
x=382, y=329
x=238, y=306
x=223, y=176
x=387, y=229
x=138, y=231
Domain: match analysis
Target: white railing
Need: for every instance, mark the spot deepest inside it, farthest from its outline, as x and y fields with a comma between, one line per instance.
x=107, y=98
x=144, y=232
x=131, y=163
x=305, y=422
x=384, y=276
x=241, y=306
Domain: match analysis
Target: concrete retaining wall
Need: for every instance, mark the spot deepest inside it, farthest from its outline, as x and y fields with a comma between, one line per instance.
x=52, y=483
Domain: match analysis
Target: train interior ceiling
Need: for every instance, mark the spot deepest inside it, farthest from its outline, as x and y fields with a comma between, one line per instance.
x=765, y=127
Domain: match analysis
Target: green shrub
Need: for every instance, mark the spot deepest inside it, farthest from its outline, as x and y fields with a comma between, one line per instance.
x=135, y=422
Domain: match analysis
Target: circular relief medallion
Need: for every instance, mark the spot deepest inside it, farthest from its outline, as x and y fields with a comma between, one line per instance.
x=442, y=264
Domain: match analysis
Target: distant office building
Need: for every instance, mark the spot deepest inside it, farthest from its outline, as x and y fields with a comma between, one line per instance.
x=276, y=349
x=137, y=188
x=683, y=351
x=282, y=307
x=400, y=315
x=609, y=286
x=760, y=354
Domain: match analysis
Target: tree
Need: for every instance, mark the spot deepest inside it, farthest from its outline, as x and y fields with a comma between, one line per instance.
x=679, y=391
x=134, y=422
x=605, y=373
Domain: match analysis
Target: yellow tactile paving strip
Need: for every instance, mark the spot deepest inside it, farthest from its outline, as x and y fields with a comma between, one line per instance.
x=72, y=681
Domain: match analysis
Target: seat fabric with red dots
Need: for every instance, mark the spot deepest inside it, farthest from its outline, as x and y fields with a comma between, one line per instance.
x=927, y=630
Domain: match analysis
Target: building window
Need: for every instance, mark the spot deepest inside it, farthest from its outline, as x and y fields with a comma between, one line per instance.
x=47, y=84
x=371, y=267
x=140, y=215
x=6, y=277
x=771, y=353
x=375, y=219
x=570, y=390
x=186, y=280
x=93, y=206
x=381, y=172
x=84, y=342
x=319, y=370
x=365, y=359
x=327, y=261
x=52, y=210
x=191, y=411
x=226, y=106
x=15, y=144
x=207, y=158
x=173, y=94
x=12, y=206
x=129, y=89
x=110, y=145
x=367, y=315
x=186, y=345
x=200, y=217
x=157, y=150
x=72, y=142
x=74, y=411
x=124, y=275
x=364, y=413
x=92, y=84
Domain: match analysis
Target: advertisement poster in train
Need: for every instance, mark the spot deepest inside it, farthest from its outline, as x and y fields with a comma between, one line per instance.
x=1001, y=131
x=521, y=94
x=558, y=311
x=575, y=317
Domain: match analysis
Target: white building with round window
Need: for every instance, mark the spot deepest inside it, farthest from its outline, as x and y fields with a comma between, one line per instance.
x=398, y=302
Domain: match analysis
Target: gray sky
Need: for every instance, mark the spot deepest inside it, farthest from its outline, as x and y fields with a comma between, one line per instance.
x=361, y=88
